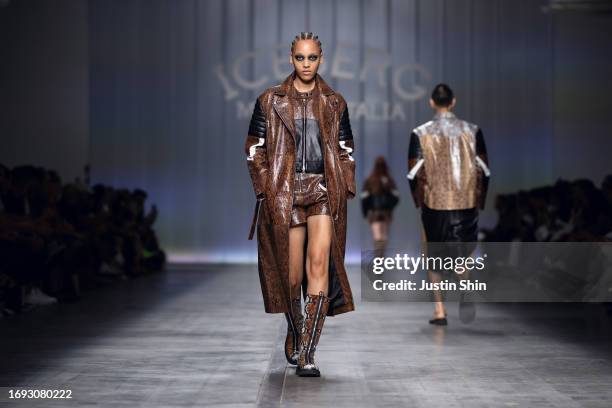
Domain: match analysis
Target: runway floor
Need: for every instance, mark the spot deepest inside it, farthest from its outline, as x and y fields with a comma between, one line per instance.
x=191, y=338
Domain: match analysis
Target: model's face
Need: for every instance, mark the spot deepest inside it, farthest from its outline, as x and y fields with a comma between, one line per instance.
x=306, y=59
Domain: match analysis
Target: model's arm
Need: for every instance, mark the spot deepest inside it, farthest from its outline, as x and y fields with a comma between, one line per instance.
x=255, y=148
x=483, y=165
x=347, y=146
x=366, y=198
x=416, y=170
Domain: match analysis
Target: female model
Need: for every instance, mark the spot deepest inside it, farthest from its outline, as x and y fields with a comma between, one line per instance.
x=299, y=157
x=379, y=197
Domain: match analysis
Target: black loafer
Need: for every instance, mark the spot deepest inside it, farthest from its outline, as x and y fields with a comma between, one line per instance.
x=308, y=371
x=439, y=321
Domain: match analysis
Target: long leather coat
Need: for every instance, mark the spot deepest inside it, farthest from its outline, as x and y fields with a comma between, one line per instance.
x=270, y=149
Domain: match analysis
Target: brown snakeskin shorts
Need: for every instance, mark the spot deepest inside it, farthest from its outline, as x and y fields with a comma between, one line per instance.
x=309, y=198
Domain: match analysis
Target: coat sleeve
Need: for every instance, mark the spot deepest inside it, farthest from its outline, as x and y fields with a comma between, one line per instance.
x=416, y=170
x=255, y=148
x=346, y=148
x=484, y=173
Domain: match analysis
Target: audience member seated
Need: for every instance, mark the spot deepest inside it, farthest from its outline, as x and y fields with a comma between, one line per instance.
x=566, y=212
x=58, y=240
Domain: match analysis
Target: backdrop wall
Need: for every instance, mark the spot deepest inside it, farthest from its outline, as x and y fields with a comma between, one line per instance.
x=44, y=78
x=173, y=85
x=157, y=94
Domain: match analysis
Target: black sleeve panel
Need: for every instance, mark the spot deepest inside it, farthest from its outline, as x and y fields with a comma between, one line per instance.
x=481, y=149
x=414, y=148
x=257, y=127
x=345, y=132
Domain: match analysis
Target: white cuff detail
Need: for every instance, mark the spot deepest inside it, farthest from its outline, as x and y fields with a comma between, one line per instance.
x=412, y=174
x=483, y=165
x=253, y=149
x=347, y=149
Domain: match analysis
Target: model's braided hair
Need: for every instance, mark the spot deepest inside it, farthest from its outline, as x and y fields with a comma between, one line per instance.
x=306, y=36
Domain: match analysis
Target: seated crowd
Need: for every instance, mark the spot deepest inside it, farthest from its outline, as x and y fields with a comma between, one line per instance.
x=58, y=240
x=569, y=211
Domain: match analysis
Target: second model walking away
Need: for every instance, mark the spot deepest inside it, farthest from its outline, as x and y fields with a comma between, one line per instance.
x=449, y=176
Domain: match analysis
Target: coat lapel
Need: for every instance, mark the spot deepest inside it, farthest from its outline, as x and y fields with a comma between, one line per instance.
x=283, y=109
x=282, y=106
x=326, y=109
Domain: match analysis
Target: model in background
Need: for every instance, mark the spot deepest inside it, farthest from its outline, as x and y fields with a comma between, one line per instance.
x=379, y=197
x=299, y=157
x=449, y=174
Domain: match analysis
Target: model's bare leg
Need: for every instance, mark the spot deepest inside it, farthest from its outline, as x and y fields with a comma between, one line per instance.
x=467, y=308
x=384, y=233
x=317, y=255
x=434, y=277
x=377, y=230
x=317, y=302
x=385, y=229
x=377, y=234
x=439, y=309
x=294, y=316
x=297, y=235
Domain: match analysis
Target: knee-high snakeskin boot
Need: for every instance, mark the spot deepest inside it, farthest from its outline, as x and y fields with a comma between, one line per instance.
x=315, y=310
x=294, y=327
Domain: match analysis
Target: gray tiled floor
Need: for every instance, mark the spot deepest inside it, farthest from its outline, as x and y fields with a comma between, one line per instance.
x=200, y=338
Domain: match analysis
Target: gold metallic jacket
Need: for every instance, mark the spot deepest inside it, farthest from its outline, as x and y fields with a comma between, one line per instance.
x=447, y=164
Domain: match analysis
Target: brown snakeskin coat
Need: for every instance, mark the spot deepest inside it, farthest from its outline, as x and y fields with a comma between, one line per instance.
x=270, y=149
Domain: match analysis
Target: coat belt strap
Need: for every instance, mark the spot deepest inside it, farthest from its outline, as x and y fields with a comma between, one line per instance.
x=255, y=218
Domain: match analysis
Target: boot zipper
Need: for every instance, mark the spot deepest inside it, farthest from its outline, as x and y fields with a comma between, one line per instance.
x=314, y=329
